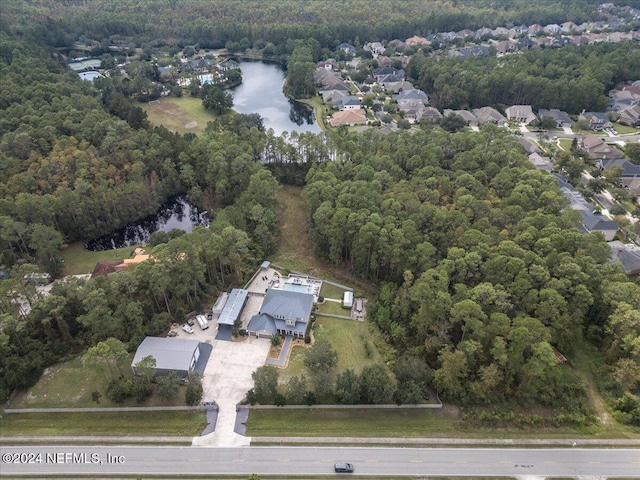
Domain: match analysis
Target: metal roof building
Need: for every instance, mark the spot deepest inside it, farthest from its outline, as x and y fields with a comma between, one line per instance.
x=233, y=307
x=171, y=355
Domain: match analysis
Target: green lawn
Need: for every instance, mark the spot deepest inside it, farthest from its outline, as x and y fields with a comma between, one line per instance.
x=331, y=291
x=320, y=108
x=565, y=143
x=351, y=339
x=78, y=260
x=624, y=130
x=333, y=308
x=173, y=423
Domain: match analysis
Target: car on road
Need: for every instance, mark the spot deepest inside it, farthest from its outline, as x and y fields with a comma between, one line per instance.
x=343, y=467
x=187, y=328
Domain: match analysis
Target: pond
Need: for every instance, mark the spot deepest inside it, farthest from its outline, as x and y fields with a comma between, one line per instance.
x=175, y=213
x=261, y=92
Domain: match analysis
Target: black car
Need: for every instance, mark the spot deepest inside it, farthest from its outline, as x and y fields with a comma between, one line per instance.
x=343, y=467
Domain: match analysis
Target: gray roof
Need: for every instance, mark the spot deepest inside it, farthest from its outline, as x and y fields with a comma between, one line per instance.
x=262, y=322
x=628, y=169
x=220, y=303
x=233, y=307
x=414, y=94
x=170, y=353
x=287, y=305
x=628, y=255
x=558, y=115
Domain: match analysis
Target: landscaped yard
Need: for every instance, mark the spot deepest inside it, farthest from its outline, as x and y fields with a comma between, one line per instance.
x=352, y=340
x=175, y=423
x=331, y=291
x=565, y=143
x=78, y=260
x=183, y=115
x=333, y=308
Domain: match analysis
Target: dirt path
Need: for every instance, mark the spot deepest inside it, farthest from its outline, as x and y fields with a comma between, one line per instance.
x=296, y=250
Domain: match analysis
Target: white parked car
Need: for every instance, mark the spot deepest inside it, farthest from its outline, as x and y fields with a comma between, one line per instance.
x=187, y=328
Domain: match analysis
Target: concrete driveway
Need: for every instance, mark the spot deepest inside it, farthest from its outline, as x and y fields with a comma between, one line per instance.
x=227, y=378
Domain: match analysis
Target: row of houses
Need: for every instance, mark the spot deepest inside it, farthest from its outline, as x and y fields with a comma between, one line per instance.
x=625, y=102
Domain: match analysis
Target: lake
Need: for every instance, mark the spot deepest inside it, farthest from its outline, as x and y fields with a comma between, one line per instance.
x=175, y=213
x=261, y=92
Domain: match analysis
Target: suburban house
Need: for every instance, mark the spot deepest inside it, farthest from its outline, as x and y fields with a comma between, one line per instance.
x=466, y=115
x=430, y=113
x=171, y=355
x=561, y=118
x=333, y=95
x=630, y=116
x=598, y=148
x=529, y=146
x=417, y=41
x=591, y=220
x=630, y=176
x=376, y=48
x=329, y=64
x=597, y=120
x=628, y=255
x=347, y=48
x=348, y=103
x=348, y=117
x=540, y=162
x=489, y=114
x=283, y=312
x=520, y=114
x=407, y=96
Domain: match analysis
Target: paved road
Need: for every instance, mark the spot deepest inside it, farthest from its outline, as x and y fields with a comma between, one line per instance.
x=60, y=460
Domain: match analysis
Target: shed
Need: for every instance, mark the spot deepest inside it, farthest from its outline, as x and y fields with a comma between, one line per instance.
x=265, y=265
x=220, y=303
x=347, y=300
x=233, y=306
x=171, y=355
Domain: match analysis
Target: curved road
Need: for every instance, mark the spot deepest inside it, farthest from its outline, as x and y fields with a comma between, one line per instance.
x=168, y=461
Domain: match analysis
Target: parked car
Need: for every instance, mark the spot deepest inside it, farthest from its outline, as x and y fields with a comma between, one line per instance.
x=187, y=328
x=343, y=467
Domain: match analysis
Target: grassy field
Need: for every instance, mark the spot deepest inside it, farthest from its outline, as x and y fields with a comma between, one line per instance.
x=78, y=260
x=296, y=250
x=175, y=423
x=183, y=115
x=70, y=384
x=388, y=423
x=321, y=110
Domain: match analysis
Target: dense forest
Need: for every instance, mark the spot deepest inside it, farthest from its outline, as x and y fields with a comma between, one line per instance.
x=569, y=78
x=213, y=23
x=484, y=279
x=484, y=276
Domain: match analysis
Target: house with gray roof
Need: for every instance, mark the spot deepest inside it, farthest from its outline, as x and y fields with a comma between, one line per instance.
x=597, y=120
x=591, y=221
x=489, y=115
x=627, y=255
x=561, y=118
x=171, y=355
x=466, y=115
x=411, y=95
x=630, y=176
x=283, y=312
x=347, y=48
x=349, y=103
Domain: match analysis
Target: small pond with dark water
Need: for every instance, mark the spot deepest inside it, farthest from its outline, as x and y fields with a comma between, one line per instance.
x=176, y=213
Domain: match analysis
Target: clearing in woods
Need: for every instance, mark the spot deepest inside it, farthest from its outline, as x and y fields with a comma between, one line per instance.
x=182, y=115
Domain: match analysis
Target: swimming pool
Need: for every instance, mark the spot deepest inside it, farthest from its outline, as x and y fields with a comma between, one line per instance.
x=294, y=287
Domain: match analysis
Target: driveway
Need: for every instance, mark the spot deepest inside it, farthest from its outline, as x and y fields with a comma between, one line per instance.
x=227, y=378
x=567, y=130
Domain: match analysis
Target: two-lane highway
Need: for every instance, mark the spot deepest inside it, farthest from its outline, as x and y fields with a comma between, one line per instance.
x=175, y=461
